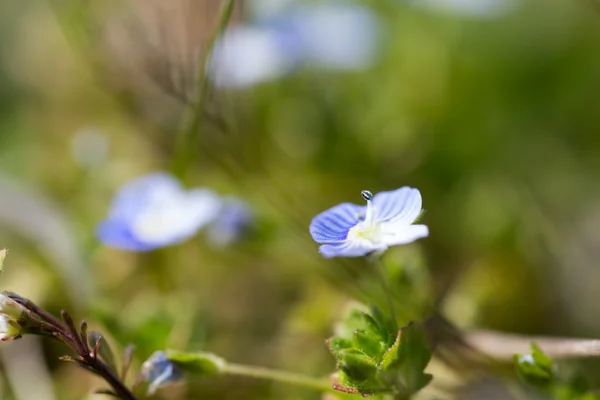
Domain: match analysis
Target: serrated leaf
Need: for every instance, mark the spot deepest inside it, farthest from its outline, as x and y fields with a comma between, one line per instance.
x=199, y=363
x=391, y=355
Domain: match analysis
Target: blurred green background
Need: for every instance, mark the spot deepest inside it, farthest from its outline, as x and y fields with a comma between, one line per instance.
x=495, y=120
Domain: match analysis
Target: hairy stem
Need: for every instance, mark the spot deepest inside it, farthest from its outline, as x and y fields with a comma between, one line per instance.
x=187, y=145
x=376, y=261
x=279, y=376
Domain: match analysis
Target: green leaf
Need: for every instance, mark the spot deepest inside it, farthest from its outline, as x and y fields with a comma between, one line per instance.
x=335, y=344
x=413, y=356
x=368, y=343
x=530, y=371
x=540, y=358
x=347, y=384
x=535, y=368
x=385, y=326
x=391, y=356
x=200, y=363
x=356, y=365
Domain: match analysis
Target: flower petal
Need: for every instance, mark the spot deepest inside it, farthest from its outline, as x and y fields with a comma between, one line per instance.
x=398, y=233
x=332, y=225
x=248, y=55
x=202, y=207
x=235, y=219
x=175, y=218
x=401, y=205
x=338, y=36
x=117, y=235
x=137, y=194
x=348, y=248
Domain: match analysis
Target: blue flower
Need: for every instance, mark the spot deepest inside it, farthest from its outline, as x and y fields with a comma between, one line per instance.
x=334, y=36
x=349, y=230
x=159, y=371
x=156, y=211
x=233, y=221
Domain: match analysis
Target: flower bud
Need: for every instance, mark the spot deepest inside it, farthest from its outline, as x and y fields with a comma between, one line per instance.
x=9, y=307
x=159, y=371
x=9, y=329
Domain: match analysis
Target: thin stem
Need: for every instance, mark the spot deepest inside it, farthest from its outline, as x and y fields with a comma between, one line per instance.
x=376, y=260
x=279, y=376
x=187, y=145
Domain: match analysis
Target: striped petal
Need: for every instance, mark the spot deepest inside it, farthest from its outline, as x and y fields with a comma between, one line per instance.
x=395, y=234
x=348, y=248
x=332, y=225
x=401, y=205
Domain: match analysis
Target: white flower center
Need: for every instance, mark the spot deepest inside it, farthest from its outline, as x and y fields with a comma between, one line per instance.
x=366, y=231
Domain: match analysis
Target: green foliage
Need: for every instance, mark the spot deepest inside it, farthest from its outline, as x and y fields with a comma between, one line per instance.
x=538, y=372
x=199, y=363
x=371, y=359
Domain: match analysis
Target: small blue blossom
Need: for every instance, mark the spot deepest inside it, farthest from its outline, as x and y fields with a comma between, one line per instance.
x=156, y=211
x=233, y=221
x=159, y=371
x=330, y=35
x=349, y=230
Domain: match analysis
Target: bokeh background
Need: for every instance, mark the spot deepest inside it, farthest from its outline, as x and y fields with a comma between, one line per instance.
x=491, y=111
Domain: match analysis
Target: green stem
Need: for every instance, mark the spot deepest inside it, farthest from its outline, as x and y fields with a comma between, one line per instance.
x=187, y=142
x=279, y=376
x=376, y=260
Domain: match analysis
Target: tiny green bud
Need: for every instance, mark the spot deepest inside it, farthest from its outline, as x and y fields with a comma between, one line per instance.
x=356, y=364
x=158, y=371
x=199, y=363
x=535, y=367
x=9, y=329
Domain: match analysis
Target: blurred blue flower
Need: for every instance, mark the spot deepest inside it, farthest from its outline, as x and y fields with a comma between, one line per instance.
x=156, y=211
x=159, y=371
x=231, y=224
x=331, y=35
x=349, y=230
